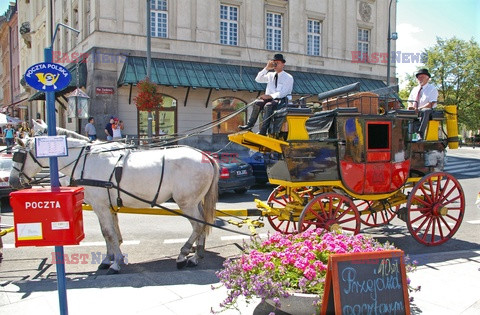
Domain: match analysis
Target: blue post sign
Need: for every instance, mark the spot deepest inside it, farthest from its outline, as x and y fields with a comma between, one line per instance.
x=48, y=77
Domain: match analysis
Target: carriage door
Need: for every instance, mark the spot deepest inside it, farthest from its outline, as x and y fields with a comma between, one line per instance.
x=378, y=170
x=378, y=141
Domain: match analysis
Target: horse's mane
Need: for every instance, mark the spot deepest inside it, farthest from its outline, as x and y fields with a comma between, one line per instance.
x=71, y=134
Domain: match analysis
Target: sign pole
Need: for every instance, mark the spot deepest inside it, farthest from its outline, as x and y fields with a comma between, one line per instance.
x=55, y=184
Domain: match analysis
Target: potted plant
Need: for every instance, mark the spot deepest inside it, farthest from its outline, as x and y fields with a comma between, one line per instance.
x=148, y=98
x=289, y=265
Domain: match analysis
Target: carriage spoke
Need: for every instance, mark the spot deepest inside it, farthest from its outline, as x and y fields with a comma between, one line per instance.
x=331, y=211
x=445, y=223
x=419, y=217
x=281, y=218
x=436, y=202
x=424, y=236
x=374, y=213
x=432, y=239
x=440, y=228
x=421, y=225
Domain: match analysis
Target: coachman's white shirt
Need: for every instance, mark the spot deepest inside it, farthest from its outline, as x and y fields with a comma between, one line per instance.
x=428, y=94
x=284, y=83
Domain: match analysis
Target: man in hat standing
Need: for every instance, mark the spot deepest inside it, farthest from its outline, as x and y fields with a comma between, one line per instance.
x=279, y=87
x=423, y=98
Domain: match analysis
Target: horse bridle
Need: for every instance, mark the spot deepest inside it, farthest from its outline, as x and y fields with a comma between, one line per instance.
x=20, y=156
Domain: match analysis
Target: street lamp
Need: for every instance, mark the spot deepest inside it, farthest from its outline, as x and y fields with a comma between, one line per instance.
x=78, y=104
x=390, y=36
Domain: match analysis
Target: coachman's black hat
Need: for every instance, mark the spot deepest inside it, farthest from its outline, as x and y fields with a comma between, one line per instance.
x=279, y=57
x=423, y=71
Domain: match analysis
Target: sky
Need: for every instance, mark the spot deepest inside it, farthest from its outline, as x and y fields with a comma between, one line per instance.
x=419, y=23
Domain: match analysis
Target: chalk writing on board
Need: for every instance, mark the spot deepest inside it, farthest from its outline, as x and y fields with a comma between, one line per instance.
x=372, y=287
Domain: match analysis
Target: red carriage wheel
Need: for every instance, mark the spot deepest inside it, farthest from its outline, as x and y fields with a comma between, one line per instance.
x=287, y=206
x=331, y=211
x=375, y=212
x=435, y=207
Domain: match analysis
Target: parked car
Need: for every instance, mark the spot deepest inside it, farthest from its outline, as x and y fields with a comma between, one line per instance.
x=6, y=165
x=235, y=174
x=259, y=162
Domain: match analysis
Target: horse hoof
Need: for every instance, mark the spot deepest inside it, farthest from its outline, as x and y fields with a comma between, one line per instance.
x=181, y=264
x=103, y=266
x=112, y=271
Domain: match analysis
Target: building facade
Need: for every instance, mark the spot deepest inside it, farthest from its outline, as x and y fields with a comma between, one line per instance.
x=10, y=63
x=205, y=54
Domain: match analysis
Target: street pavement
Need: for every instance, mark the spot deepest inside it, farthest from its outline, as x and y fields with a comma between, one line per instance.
x=450, y=285
x=449, y=280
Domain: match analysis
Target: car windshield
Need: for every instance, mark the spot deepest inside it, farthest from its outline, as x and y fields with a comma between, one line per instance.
x=6, y=164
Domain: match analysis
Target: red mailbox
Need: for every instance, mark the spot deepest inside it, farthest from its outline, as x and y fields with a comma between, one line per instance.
x=43, y=217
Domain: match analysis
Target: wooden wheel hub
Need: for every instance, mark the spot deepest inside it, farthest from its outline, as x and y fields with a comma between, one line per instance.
x=440, y=210
x=334, y=227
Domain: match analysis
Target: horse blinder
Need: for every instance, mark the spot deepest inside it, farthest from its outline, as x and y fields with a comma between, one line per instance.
x=19, y=157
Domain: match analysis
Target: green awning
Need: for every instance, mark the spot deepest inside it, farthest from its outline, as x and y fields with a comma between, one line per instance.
x=82, y=82
x=230, y=77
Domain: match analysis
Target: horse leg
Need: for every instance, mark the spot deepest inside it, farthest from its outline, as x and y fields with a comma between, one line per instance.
x=117, y=227
x=200, y=249
x=199, y=253
x=185, y=251
x=182, y=259
x=114, y=253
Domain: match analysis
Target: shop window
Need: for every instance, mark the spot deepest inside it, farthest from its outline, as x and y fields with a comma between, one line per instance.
x=164, y=119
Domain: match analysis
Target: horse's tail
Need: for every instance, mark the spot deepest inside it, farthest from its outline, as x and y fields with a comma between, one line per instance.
x=210, y=199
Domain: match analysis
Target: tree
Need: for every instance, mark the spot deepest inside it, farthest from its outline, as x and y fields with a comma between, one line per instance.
x=455, y=68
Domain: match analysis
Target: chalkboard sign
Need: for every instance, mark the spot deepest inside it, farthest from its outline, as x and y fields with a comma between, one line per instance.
x=366, y=283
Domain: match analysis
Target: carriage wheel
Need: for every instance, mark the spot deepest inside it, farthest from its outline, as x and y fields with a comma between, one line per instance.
x=331, y=211
x=374, y=213
x=435, y=206
x=285, y=219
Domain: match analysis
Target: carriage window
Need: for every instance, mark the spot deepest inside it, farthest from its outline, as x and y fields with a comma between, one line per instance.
x=378, y=136
x=226, y=106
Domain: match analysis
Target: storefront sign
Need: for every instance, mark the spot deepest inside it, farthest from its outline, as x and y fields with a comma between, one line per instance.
x=104, y=90
x=48, y=77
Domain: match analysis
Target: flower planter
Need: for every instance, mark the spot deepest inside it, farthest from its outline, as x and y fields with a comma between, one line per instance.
x=271, y=268
x=298, y=304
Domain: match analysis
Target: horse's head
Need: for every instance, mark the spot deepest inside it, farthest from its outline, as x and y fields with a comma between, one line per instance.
x=25, y=164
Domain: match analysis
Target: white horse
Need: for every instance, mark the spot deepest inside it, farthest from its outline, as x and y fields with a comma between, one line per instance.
x=147, y=177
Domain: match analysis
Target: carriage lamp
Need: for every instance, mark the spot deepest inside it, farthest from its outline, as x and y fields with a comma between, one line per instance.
x=78, y=104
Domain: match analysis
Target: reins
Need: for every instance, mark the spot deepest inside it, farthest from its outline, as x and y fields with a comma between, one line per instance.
x=110, y=185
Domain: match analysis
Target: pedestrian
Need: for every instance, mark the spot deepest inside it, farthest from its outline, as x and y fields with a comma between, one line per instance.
x=24, y=130
x=423, y=99
x=90, y=129
x=117, y=128
x=279, y=88
x=9, y=137
x=109, y=130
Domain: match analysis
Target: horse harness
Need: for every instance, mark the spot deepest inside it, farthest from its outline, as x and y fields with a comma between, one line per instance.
x=20, y=157
x=117, y=172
